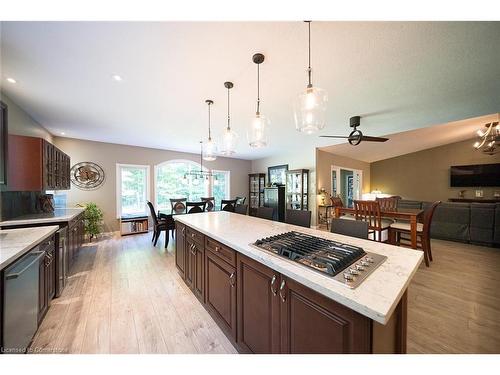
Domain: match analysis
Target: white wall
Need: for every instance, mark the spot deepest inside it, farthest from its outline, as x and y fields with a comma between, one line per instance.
x=108, y=154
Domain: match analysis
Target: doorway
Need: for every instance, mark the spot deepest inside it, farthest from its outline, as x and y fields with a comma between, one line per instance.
x=346, y=184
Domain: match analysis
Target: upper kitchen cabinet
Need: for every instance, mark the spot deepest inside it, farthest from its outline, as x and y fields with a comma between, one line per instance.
x=3, y=143
x=35, y=165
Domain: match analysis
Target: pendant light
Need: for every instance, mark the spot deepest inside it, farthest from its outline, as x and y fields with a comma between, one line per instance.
x=310, y=106
x=209, y=151
x=229, y=136
x=257, y=131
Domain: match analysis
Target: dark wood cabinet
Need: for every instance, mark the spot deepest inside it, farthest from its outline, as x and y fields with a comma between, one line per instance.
x=314, y=324
x=220, y=292
x=258, y=307
x=50, y=273
x=43, y=303
x=76, y=236
x=46, y=277
x=263, y=311
x=180, y=253
x=256, y=185
x=4, y=132
x=35, y=164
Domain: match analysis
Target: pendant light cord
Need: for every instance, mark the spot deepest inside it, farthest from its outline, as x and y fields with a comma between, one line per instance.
x=309, y=67
x=258, y=90
x=228, y=119
x=209, y=134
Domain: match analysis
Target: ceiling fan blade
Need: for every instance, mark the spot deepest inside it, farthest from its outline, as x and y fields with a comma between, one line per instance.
x=333, y=136
x=373, y=139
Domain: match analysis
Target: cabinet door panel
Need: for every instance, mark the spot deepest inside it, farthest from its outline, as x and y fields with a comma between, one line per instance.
x=189, y=263
x=258, y=307
x=42, y=290
x=220, y=292
x=180, y=255
x=199, y=271
x=312, y=323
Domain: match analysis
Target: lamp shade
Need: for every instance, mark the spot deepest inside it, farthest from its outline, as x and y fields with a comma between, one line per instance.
x=310, y=110
x=209, y=151
x=229, y=142
x=257, y=132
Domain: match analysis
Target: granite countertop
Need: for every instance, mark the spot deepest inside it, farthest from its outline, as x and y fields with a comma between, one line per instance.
x=376, y=297
x=14, y=243
x=59, y=215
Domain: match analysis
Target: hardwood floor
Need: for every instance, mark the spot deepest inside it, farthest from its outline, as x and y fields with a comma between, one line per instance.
x=125, y=296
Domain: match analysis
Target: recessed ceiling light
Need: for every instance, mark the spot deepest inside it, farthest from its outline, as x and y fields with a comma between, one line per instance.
x=11, y=80
x=62, y=133
x=117, y=78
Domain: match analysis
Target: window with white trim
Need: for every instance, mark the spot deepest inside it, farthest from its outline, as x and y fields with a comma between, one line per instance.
x=132, y=190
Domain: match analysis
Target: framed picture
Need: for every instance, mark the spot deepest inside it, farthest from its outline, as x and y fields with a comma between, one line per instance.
x=277, y=175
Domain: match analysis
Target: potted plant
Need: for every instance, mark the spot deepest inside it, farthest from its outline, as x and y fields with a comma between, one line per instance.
x=93, y=219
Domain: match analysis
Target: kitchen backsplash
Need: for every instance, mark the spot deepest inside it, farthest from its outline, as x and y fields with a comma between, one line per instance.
x=17, y=203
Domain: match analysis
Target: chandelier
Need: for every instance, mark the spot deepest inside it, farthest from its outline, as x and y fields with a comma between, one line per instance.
x=257, y=132
x=489, y=139
x=197, y=176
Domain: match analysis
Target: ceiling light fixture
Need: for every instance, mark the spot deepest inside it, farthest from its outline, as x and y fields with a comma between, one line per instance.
x=196, y=176
x=229, y=137
x=310, y=106
x=63, y=133
x=209, y=152
x=117, y=78
x=257, y=132
x=11, y=80
x=489, y=139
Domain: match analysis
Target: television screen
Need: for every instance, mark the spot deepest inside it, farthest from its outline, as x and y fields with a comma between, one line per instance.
x=480, y=175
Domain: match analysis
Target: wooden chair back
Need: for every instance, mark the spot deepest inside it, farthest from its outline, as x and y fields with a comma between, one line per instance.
x=195, y=207
x=178, y=205
x=265, y=213
x=389, y=204
x=227, y=205
x=210, y=203
x=241, y=209
x=336, y=202
x=428, y=214
x=369, y=211
x=241, y=200
x=298, y=217
x=351, y=228
x=153, y=213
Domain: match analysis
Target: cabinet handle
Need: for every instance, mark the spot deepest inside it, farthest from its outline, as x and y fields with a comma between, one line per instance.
x=231, y=279
x=282, y=289
x=192, y=235
x=193, y=249
x=217, y=248
x=273, y=280
x=183, y=230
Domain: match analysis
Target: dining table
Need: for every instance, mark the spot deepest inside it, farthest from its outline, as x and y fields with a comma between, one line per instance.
x=413, y=215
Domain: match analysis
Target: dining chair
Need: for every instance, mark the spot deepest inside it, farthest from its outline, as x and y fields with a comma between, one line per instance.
x=369, y=211
x=210, y=203
x=241, y=209
x=388, y=203
x=396, y=230
x=195, y=207
x=241, y=200
x=178, y=205
x=351, y=228
x=227, y=205
x=298, y=217
x=159, y=225
x=337, y=202
x=265, y=213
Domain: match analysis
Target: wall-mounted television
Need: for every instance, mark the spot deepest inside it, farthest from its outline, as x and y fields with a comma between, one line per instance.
x=480, y=175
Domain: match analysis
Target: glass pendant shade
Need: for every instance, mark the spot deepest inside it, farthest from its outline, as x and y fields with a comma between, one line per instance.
x=257, y=133
x=310, y=110
x=229, y=142
x=209, y=152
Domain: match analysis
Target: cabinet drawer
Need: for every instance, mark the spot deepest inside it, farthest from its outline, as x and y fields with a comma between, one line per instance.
x=195, y=236
x=180, y=229
x=48, y=244
x=222, y=251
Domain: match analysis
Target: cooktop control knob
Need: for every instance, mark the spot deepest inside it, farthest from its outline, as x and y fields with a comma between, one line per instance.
x=352, y=271
x=366, y=264
x=359, y=267
x=348, y=277
x=369, y=259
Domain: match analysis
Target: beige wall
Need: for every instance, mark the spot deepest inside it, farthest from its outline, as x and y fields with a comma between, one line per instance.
x=107, y=155
x=424, y=175
x=325, y=161
x=21, y=123
x=295, y=160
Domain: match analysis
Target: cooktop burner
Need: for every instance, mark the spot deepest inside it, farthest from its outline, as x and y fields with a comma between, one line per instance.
x=345, y=263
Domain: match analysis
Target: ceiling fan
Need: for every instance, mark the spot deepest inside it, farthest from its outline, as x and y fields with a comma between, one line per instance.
x=356, y=136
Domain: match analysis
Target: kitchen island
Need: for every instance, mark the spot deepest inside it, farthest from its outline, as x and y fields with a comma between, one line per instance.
x=268, y=304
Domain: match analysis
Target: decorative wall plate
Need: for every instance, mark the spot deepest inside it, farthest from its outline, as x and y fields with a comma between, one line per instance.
x=87, y=175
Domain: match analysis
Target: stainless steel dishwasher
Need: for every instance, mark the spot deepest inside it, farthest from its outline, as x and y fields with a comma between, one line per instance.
x=20, y=319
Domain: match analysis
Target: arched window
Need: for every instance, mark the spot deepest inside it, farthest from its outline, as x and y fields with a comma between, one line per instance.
x=170, y=183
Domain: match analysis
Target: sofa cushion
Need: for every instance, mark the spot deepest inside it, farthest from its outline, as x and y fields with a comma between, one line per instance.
x=496, y=225
x=482, y=222
x=451, y=222
x=406, y=203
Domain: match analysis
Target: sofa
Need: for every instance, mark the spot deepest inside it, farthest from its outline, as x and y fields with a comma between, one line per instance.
x=476, y=223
